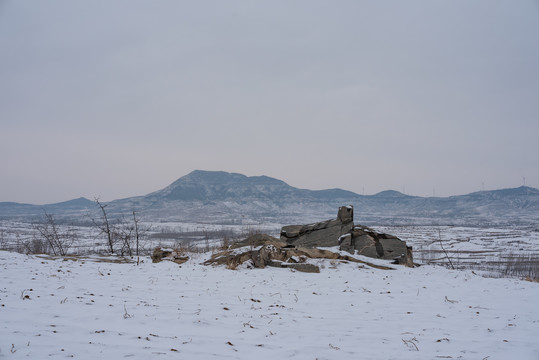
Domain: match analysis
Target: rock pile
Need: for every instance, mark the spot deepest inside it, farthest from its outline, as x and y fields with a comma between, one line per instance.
x=263, y=250
x=354, y=239
x=299, y=243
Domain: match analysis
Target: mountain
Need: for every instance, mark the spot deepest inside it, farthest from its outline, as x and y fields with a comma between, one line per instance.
x=221, y=186
x=230, y=198
x=222, y=197
x=68, y=209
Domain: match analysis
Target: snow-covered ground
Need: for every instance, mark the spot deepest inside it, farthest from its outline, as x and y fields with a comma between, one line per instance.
x=91, y=309
x=15, y=235
x=478, y=248
x=489, y=249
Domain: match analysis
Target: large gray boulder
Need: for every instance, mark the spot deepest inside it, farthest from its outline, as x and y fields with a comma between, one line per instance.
x=365, y=241
x=354, y=239
x=325, y=233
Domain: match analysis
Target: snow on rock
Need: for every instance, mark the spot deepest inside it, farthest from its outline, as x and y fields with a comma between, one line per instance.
x=51, y=308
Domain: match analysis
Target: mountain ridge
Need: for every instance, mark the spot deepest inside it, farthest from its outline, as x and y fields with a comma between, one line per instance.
x=222, y=197
x=220, y=185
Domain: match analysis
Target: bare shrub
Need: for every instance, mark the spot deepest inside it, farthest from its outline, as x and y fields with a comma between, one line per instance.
x=182, y=249
x=123, y=233
x=225, y=244
x=140, y=233
x=122, y=236
x=105, y=226
x=36, y=246
x=249, y=231
x=523, y=265
x=3, y=240
x=443, y=249
x=57, y=241
x=206, y=241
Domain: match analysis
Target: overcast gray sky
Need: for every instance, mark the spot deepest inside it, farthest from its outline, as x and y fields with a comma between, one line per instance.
x=121, y=98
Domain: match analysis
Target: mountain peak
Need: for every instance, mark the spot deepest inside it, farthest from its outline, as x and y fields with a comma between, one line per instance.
x=206, y=185
x=224, y=178
x=212, y=174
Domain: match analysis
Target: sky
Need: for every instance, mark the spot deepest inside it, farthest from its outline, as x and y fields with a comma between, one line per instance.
x=113, y=99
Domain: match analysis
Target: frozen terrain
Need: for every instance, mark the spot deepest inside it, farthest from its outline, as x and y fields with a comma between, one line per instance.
x=93, y=308
x=480, y=248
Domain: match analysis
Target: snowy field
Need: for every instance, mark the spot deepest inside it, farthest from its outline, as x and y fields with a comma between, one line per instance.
x=489, y=249
x=15, y=235
x=486, y=249
x=92, y=308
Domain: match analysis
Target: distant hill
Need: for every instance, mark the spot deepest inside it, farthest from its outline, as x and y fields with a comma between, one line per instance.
x=222, y=186
x=69, y=209
x=231, y=198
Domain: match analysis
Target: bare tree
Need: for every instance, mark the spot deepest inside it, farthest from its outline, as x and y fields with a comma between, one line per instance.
x=130, y=235
x=105, y=226
x=139, y=233
x=124, y=233
x=36, y=246
x=443, y=249
x=58, y=242
x=122, y=236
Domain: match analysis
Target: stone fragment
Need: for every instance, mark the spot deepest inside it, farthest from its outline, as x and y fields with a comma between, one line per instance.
x=370, y=243
x=160, y=254
x=308, y=268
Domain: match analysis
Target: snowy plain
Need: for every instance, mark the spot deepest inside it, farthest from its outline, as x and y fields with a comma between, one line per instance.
x=466, y=245
x=91, y=308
